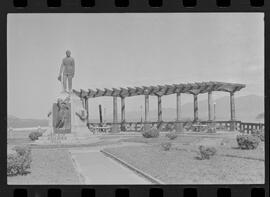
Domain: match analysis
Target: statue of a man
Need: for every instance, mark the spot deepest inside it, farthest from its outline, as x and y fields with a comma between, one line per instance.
x=67, y=70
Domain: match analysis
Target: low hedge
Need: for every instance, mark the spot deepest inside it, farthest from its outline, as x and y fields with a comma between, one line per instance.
x=151, y=133
x=166, y=146
x=171, y=135
x=258, y=133
x=247, y=141
x=207, y=152
x=35, y=135
x=18, y=163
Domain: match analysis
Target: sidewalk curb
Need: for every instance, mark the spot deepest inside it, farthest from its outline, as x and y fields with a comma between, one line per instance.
x=136, y=170
x=77, y=168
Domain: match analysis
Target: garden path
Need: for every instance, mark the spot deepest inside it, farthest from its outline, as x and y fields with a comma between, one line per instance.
x=96, y=168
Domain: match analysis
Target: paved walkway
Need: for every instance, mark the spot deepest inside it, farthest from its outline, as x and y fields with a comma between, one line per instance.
x=96, y=168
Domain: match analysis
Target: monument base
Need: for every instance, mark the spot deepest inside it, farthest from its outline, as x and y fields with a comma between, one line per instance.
x=68, y=122
x=76, y=138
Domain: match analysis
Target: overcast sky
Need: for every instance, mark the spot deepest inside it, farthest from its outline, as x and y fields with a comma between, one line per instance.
x=121, y=50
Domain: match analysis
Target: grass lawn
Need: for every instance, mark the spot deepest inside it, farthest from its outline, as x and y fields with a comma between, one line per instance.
x=181, y=165
x=49, y=167
x=160, y=139
x=18, y=141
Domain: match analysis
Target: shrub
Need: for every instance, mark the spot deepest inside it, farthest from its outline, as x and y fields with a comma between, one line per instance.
x=258, y=133
x=22, y=150
x=247, y=141
x=172, y=135
x=19, y=162
x=166, y=146
x=188, y=126
x=207, y=152
x=169, y=127
x=35, y=135
x=151, y=133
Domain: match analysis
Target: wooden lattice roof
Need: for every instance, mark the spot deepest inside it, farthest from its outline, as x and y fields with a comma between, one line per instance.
x=160, y=90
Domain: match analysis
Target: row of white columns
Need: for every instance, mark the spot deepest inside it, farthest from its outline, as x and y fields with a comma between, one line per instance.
x=178, y=108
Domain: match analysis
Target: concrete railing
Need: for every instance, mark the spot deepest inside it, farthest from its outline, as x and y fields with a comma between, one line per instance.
x=245, y=127
x=248, y=127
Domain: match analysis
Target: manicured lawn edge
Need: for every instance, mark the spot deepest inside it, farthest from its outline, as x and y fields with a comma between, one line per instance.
x=77, y=169
x=240, y=157
x=144, y=174
x=66, y=146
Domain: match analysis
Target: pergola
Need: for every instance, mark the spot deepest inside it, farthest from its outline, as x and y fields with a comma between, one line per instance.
x=161, y=90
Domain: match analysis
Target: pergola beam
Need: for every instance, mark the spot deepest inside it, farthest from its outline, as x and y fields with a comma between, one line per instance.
x=160, y=90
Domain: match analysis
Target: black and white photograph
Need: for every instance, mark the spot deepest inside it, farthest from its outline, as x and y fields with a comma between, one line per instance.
x=135, y=98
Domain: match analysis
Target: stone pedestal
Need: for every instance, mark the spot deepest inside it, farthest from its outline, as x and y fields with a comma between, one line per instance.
x=68, y=126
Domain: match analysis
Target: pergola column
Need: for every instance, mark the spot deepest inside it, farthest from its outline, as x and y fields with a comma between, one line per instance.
x=179, y=125
x=115, y=121
x=210, y=103
x=87, y=110
x=159, y=109
x=232, y=105
x=146, y=112
x=123, y=114
x=196, y=118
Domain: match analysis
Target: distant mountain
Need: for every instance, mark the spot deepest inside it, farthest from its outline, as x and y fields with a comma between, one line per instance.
x=247, y=109
x=16, y=122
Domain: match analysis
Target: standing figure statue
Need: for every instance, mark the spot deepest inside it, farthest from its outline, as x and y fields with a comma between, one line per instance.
x=67, y=70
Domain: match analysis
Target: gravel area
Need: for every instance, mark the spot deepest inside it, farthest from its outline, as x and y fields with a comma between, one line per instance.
x=49, y=167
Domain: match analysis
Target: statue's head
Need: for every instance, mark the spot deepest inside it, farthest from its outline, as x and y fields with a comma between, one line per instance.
x=68, y=53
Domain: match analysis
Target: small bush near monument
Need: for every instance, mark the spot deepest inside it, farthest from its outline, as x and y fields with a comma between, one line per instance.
x=35, y=135
x=151, y=133
x=22, y=150
x=258, y=133
x=207, y=152
x=18, y=163
x=166, y=146
x=247, y=141
x=171, y=135
x=188, y=126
